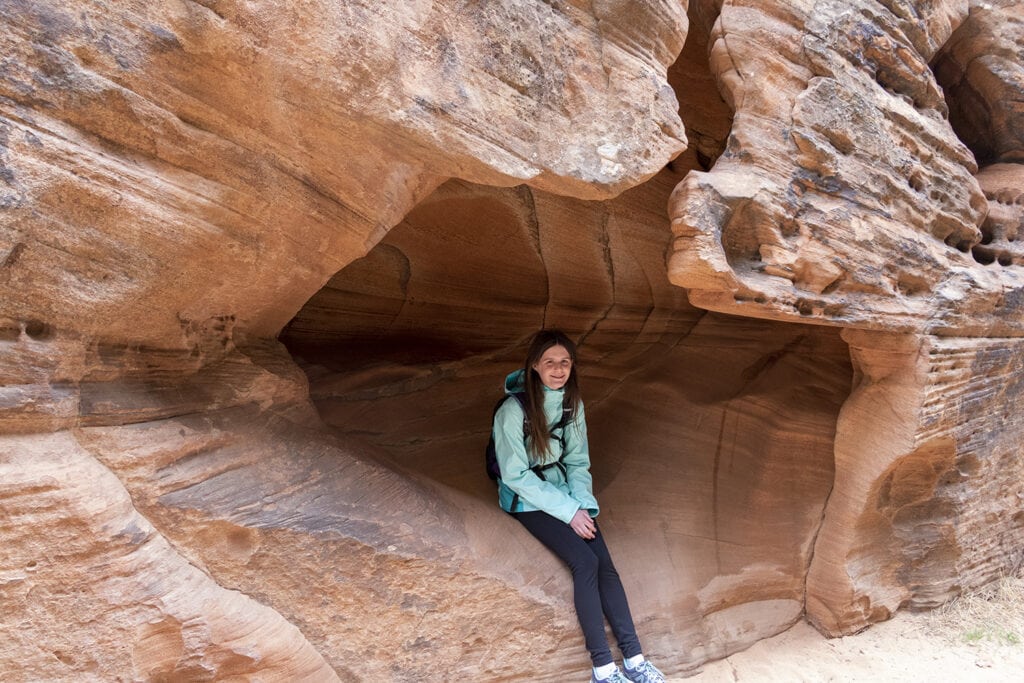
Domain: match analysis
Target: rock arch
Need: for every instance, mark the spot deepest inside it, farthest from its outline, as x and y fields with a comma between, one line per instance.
x=179, y=179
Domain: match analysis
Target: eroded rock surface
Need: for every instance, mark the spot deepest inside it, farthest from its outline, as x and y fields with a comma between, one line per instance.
x=981, y=70
x=928, y=500
x=181, y=183
x=177, y=180
x=844, y=194
x=92, y=590
x=845, y=198
x=229, y=157
x=727, y=486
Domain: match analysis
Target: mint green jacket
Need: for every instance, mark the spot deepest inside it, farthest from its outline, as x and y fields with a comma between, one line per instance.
x=559, y=496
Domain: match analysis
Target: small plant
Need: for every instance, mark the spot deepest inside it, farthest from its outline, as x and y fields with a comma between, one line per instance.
x=974, y=635
x=990, y=616
x=992, y=635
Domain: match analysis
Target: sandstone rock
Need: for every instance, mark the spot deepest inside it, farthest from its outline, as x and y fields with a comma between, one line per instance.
x=927, y=499
x=1003, y=185
x=843, y=161
x=179, y=181
x=197, y=147
x=695, y=489
x=372, y=566
x=981, y=70
x=92, y=590
x=824, y=207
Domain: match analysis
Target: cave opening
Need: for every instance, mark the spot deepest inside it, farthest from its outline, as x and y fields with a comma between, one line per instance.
x=711, y=435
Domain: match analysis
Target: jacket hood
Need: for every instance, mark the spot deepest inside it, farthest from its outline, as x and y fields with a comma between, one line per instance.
x=516, y=381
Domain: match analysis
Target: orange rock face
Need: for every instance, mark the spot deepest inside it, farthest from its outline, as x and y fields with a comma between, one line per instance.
x=845, y=198
x=264, y=268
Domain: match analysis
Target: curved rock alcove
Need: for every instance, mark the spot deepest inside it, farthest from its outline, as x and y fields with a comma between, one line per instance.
x=264, y=268
x=712, y=434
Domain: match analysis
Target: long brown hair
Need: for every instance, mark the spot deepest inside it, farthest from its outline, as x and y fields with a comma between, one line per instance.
x=540, y=436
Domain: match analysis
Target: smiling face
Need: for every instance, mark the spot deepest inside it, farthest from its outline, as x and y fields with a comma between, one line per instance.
x=554, y=367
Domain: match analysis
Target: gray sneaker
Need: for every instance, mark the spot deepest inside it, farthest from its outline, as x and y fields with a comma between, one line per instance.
x=615, y=677
x=645, y=673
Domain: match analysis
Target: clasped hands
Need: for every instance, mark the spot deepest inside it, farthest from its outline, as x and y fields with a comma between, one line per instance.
x=583, y=525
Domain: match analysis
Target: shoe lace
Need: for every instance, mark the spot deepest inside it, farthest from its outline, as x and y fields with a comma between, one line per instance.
x=650, y=673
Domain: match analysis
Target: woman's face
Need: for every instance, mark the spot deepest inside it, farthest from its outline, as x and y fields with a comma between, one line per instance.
x=554, y=367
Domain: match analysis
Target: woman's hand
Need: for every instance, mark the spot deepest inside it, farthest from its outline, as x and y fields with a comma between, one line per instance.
x=583, y=525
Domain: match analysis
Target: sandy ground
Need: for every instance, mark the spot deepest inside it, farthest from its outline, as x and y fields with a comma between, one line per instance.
x=976, y=638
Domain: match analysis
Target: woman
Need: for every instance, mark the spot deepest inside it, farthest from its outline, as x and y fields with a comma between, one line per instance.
x=541, y=446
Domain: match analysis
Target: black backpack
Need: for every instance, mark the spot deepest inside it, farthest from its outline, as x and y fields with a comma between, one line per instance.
x=491, y=457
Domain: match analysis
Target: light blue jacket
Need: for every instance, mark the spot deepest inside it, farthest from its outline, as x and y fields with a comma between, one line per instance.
x=559, y=496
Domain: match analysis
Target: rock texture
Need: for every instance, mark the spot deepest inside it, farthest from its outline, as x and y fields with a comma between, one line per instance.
x=712, y=530
x=178, y=179
x=227, y=158
x=845, y=198
x=264, y=267
x=927, y=501
x=981, y=69
x=78, y=554
x=845, y=161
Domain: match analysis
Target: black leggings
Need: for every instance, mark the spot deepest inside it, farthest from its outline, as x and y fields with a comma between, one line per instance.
x=597, y=589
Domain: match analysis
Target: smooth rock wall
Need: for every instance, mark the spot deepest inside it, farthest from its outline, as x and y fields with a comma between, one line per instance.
x=178, y=180
x=93, y=591
x=711, y=435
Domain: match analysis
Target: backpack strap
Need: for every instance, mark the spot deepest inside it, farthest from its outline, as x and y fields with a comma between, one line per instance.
x=562, y=423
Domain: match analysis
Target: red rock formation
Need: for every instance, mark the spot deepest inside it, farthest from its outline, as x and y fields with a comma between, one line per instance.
x=843, y=161
x=178, y=179
x=727, y=486
x=182, y=183
x=845, y=198
x=981, y=72
x=92, y=589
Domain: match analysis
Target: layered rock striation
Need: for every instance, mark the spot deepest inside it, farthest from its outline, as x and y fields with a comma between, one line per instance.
x=178, y=179
x=264, y=268
x=845, y=198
